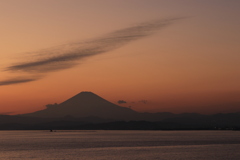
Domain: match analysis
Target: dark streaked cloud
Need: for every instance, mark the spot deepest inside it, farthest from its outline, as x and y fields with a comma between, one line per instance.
x=121, y=102
x=16, y=81
x=69, y=55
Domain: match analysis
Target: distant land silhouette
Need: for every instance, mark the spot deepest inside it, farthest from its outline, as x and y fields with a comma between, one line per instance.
x=86, y=104
x=87, y=110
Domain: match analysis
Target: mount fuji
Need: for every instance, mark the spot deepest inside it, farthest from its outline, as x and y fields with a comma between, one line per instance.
x=86, y=104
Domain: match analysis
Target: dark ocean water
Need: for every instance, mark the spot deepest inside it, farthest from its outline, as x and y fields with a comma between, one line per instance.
x=120, y=145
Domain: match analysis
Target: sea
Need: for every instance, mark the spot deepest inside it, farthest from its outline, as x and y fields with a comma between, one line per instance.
x=119, y=145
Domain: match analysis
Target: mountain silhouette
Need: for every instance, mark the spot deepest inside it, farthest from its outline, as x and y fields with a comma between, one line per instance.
x=87, y=110
x=87, y=104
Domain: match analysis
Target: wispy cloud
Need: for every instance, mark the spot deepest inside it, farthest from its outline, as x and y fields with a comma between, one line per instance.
x=121, y=102
x=68, y=55
x=16, y=80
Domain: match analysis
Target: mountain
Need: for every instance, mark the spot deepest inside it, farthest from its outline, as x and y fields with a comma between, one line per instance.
x=87, y=110
x=86, y=104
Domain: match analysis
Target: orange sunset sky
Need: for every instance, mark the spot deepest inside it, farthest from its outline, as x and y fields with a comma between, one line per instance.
x=175, y=55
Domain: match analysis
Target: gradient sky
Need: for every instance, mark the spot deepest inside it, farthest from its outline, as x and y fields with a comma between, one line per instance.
x=157, y=55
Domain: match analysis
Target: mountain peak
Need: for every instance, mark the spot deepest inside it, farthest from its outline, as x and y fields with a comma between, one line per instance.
x=86, y=92
x=85, y=96
x=86, y=104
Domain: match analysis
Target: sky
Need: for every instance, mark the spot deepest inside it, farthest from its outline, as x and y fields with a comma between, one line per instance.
x=152, y=55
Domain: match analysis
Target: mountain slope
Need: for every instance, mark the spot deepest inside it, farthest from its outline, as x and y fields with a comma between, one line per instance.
x=87, y=104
